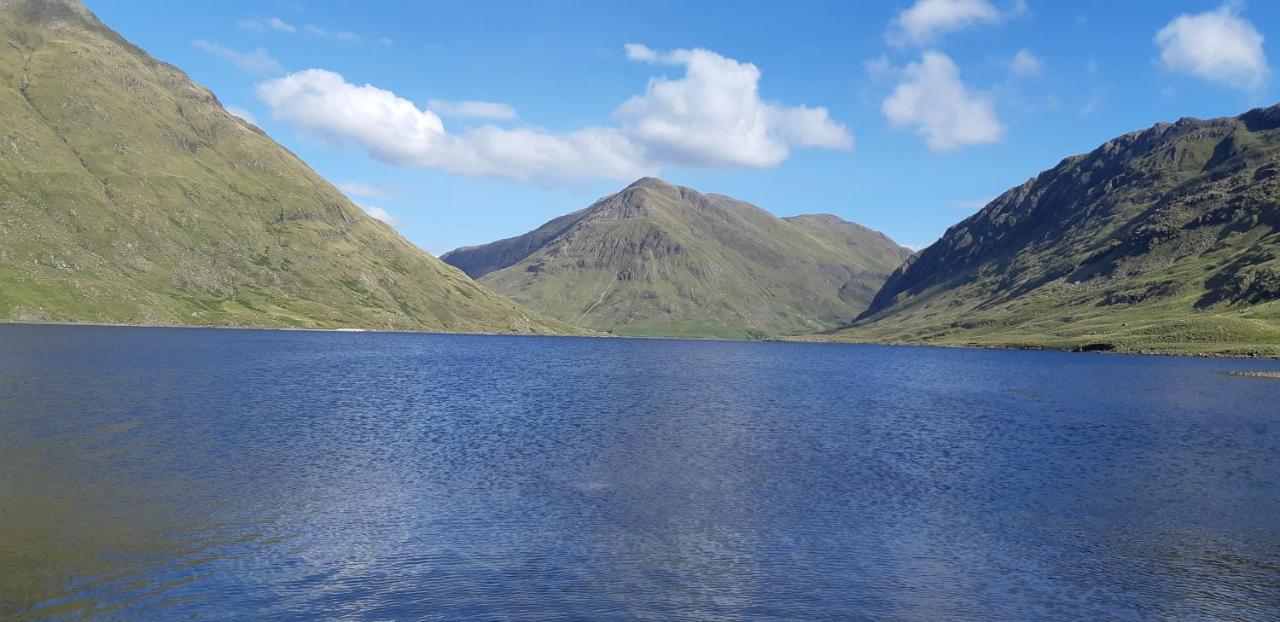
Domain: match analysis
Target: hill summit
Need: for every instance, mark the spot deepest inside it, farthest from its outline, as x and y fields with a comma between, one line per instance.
x=665, y=260
x=1162, y=240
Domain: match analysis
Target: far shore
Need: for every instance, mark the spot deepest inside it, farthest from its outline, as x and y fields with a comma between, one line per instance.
x=813, y=339
x=296, y=329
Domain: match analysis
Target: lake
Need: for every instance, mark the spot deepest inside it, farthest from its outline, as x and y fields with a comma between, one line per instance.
x=151, y=473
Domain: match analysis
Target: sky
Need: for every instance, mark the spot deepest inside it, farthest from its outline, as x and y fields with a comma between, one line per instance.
x=463, y=123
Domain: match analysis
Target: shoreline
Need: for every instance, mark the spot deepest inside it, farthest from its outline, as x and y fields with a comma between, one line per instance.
x=1028, y=348
x=1255, y=374
x=298, y=329
x=798, y=339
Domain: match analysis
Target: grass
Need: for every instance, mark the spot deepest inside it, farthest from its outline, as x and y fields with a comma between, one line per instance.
x=659, y=260
x=1168, y=328
x=129, y=195
x=1163, y=241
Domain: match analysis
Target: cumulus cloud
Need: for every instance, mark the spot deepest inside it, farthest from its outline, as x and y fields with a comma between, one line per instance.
x=932, y=98
x=1026, y=64
x=254, y=61
x=471, y=109
x=394, y=130
x=361, y=189
x=323, y=103
x=712, y=116
x=1218, y=45
x=927, y=20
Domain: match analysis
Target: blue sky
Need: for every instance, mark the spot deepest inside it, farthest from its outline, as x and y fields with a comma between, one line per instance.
x=484, y=120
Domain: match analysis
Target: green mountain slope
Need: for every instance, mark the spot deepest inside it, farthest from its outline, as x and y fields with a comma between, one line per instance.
x=658, y=259
x=1164, y=240
x=128, y=195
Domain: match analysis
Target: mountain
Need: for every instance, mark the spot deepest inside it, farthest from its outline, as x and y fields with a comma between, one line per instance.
x=658, y=259
x=1164, y=240
x=129, y=195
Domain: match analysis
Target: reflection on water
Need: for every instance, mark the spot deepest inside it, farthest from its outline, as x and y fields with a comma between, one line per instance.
x=154, y=473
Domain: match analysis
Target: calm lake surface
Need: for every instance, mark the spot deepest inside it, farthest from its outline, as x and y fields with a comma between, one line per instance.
x=215, y=474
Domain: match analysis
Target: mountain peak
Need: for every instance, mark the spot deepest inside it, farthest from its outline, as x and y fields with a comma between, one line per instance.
x=1175, y=221
x=650, y=182
x=50, y=10
x=824, y=218
x=660, y=259
x=1261, y=119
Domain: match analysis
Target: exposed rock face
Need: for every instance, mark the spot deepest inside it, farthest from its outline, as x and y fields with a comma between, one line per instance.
x=1179, y=221
x=659, y=259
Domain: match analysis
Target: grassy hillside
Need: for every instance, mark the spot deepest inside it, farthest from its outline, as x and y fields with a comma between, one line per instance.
x=129, y=195
x=1165, y=240
x=661, y=260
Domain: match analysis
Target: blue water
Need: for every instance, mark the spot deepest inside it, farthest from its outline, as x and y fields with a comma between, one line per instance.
x=216, y=474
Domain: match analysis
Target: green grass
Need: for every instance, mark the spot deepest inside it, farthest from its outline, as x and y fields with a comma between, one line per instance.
x=1164, y=241
x=685, y=331
x=129, y=195
x=659, y=260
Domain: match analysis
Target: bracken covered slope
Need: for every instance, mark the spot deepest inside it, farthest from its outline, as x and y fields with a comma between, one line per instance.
x=129, y=195
x=662, y=260
x=1164, y=240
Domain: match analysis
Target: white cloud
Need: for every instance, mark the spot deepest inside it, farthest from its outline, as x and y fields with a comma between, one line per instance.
x=1026, y=64
x=947, y=114
x=1218, y=45
x=927, y=20
x=322, y=102
x=279, y=25
x=242, y=113
x=361, y=189
x=471, y=109
x=343, y=35
x=394, y=130
x=275, y=23
x=713, y=116
x=254, y=61
x=380, y=214
x=640, y=52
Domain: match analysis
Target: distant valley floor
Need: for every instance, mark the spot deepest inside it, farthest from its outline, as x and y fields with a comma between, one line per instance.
x=1253, y=332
